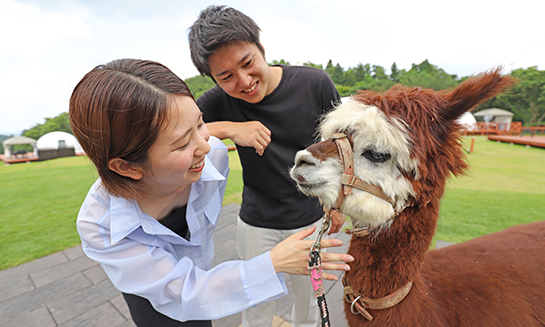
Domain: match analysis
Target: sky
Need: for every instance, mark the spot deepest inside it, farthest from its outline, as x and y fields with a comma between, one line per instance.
x=46, y=47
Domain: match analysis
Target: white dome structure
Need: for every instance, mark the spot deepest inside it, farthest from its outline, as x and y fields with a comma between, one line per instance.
x=346, y=99
x=57, y=140
x=468, y=121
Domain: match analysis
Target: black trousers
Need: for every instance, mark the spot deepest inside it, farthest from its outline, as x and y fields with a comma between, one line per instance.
x=144, y=315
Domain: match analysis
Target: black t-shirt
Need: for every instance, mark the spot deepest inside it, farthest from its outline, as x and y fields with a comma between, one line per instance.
x=292, y=111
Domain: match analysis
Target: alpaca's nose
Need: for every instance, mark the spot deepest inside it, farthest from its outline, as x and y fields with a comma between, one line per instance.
x=303, y=158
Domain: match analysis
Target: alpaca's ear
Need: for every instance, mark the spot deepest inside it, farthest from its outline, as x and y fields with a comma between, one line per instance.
x=473, y=91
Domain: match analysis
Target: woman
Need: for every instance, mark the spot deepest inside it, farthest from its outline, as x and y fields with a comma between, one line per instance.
x=149, y=218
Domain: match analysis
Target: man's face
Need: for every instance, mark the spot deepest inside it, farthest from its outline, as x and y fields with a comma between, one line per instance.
x=241, y=71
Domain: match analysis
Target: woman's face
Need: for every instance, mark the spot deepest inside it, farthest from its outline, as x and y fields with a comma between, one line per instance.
x=177, y=156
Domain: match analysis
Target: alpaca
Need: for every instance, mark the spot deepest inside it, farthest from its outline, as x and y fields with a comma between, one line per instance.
x=406, y=143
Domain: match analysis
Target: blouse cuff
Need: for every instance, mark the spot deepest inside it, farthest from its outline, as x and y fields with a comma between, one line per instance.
x=261, y=281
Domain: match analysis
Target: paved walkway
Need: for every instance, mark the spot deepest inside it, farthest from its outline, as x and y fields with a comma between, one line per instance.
x=68, y=289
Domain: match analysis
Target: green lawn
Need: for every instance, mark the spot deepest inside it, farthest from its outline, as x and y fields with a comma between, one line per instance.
x=40, y=200
x=39, y=204
x=505, y=186
x=233, y=190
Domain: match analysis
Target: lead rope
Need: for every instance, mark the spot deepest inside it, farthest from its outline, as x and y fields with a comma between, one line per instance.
x=315, y=268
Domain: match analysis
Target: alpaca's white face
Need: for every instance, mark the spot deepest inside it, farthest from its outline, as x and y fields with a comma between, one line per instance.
x=381, y=153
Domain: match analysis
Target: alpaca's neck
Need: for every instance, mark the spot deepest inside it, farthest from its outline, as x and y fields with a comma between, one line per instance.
x=387, y=260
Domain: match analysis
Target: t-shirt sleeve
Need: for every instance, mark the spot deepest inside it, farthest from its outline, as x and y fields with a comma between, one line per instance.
x=210, y=105
x=330, y=95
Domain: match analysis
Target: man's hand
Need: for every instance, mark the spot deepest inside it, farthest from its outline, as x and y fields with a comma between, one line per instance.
x=252, y=133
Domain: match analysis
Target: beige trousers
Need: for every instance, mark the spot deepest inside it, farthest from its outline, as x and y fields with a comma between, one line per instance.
x=253, y=241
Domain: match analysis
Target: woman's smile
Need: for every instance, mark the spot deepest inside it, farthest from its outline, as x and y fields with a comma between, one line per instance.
x=198, y=166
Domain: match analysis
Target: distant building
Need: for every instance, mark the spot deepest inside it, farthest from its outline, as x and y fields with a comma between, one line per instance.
x=11, y=156
x=17, y=140
x=501, y=117
x=59, y=140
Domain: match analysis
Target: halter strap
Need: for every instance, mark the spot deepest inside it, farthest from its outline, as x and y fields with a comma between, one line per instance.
x=354, y=181
x=348, y=179
x=347, y=156
x=359, y=304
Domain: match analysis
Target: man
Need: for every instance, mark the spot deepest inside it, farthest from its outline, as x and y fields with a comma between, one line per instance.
x=270, y=112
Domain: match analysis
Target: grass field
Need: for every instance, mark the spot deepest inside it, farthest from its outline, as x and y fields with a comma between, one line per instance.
x=39, y=201
x=505, y=186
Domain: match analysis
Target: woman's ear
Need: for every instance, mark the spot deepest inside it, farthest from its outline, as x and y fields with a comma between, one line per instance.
x=124, y=168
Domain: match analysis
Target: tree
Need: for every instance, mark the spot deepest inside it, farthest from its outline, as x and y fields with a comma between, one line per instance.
x=336, y=73
x=60, y=123
x=329, y=68
x=310, y=64
x=281, y=62
x=526, y=101
x=373, y=84
x=394, y=75
x=361, y=71
x=427, y=75
x=339, y=75
x=424, y=66
x=349, y=78
x=527, y=98
x=379, y=72
x=343, y=90
x=199, y=84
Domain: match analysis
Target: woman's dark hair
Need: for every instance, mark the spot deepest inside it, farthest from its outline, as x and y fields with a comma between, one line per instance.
x=117, y=111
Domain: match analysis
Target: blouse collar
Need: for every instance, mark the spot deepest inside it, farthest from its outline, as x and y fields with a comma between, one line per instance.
x=126, y=216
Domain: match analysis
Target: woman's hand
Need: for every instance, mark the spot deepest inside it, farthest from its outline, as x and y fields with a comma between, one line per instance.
x=291, y=255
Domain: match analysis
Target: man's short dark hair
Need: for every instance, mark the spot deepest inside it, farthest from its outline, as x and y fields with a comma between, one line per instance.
x=218, y=26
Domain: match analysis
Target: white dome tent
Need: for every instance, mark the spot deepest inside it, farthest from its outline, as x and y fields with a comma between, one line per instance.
x=468, y=121
x=346, y=99
x=59, y=140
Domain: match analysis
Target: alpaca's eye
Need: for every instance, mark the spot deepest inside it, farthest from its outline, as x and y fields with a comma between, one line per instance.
x=376, y=156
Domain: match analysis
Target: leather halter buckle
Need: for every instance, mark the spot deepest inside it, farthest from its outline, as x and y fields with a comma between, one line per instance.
x=360, y=304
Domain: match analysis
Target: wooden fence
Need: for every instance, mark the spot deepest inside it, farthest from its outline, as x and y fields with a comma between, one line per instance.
x=47, y=154
x=482, y=128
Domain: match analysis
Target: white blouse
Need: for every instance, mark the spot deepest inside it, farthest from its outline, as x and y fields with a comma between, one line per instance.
x=143, y=257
